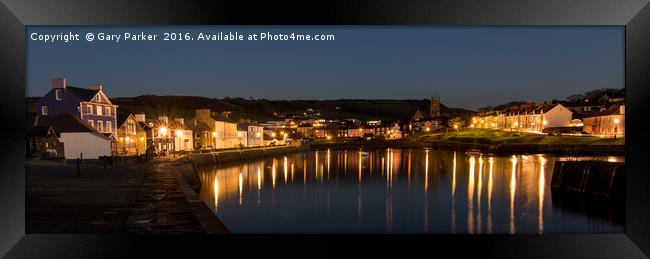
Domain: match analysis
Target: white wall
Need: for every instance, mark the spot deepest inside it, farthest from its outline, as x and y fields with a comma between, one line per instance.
x=559, y=116
x=92, y=146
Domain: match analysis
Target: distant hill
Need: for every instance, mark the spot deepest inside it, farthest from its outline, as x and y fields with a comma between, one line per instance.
x=263, y=109
x=597, y=96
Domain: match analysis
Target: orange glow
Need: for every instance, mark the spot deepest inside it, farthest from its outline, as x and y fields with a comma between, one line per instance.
x=216, y=193
x=241, y=188
x=542, y=186
x=513, y=187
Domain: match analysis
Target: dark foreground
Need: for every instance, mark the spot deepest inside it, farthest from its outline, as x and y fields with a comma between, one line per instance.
x=150, y=197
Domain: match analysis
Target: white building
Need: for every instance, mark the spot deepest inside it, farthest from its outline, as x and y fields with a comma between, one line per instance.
x=78, y=138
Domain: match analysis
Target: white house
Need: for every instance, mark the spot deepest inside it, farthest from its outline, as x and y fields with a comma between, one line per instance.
x=557, y=116
x=78, y=138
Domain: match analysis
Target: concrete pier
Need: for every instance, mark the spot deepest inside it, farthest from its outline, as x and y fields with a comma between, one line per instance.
x=145, y=197
x=229, y=156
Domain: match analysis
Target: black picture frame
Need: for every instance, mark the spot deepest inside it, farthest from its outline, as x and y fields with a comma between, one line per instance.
x=15, y=15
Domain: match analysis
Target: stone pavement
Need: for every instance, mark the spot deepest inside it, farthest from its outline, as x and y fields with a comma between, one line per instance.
x=148, y=197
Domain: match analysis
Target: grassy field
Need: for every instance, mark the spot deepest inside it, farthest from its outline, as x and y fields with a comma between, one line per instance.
x=484, y=138
x=494, y=137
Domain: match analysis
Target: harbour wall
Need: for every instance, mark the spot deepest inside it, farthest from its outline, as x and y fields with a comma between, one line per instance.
x=230, y=156
x=592, y=178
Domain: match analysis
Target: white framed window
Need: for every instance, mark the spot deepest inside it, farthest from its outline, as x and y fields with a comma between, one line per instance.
x=59, y=95
x=100, y=126
x=44, y=110
x=108, y=111
x=90, y=122
x=109, y=126
x=100, y=110
x=89, y=109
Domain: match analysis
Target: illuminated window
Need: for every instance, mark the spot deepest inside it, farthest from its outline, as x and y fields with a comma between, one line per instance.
x=90, y=122
x=100, y=126
x=44, y=110
x=109, y=126
x=100, y=110
x=59, y=95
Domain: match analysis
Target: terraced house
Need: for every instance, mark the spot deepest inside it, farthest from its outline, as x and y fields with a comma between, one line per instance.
x=131, y=137
x=88, y=104
x=218, y=131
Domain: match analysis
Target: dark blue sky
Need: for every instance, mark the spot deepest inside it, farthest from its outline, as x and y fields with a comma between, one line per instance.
x=467, y=67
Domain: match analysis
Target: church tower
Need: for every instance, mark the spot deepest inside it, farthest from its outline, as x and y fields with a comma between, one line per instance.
x=434, y=107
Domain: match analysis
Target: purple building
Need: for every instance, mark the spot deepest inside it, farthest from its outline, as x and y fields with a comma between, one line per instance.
x=88, y=104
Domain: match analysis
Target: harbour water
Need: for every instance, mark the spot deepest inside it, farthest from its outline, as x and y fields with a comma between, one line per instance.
x=400, y=191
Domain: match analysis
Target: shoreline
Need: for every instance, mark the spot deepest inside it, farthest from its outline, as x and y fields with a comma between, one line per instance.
x=230, y=156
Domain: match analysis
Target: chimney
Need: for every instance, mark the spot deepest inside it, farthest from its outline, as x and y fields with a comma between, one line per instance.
x=95, y=87
x=180, y=120
x=58, y=83
x=139, y=117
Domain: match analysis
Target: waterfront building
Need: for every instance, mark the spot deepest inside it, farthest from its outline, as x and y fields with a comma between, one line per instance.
x=78, y=137
x=131, y=137
x=90, y=105
x=306, y=130
x=183, y=137
x=171, y=135
x=325, y=130
x=525, y=120
x=148, y=129
x=203, y=137
x=254, y=134
x=242, y=135
x=608, y=123
x=223, y=131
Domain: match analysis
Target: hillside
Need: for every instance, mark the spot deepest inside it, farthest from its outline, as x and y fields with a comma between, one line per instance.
x=263, y=109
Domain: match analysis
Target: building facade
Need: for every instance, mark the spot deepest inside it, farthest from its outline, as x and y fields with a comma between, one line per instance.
x=222, y=130
x=525, y=120
x=131, y=137
x=90, y=105
x=79, y=139
x=606, y=124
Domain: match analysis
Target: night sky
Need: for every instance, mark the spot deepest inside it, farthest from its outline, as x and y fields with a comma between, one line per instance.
x=468, y=67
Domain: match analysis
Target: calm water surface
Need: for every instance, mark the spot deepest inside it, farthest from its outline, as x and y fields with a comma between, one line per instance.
x=399, y=191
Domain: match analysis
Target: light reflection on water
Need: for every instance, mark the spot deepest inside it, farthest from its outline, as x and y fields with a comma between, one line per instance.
x=396, y=191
